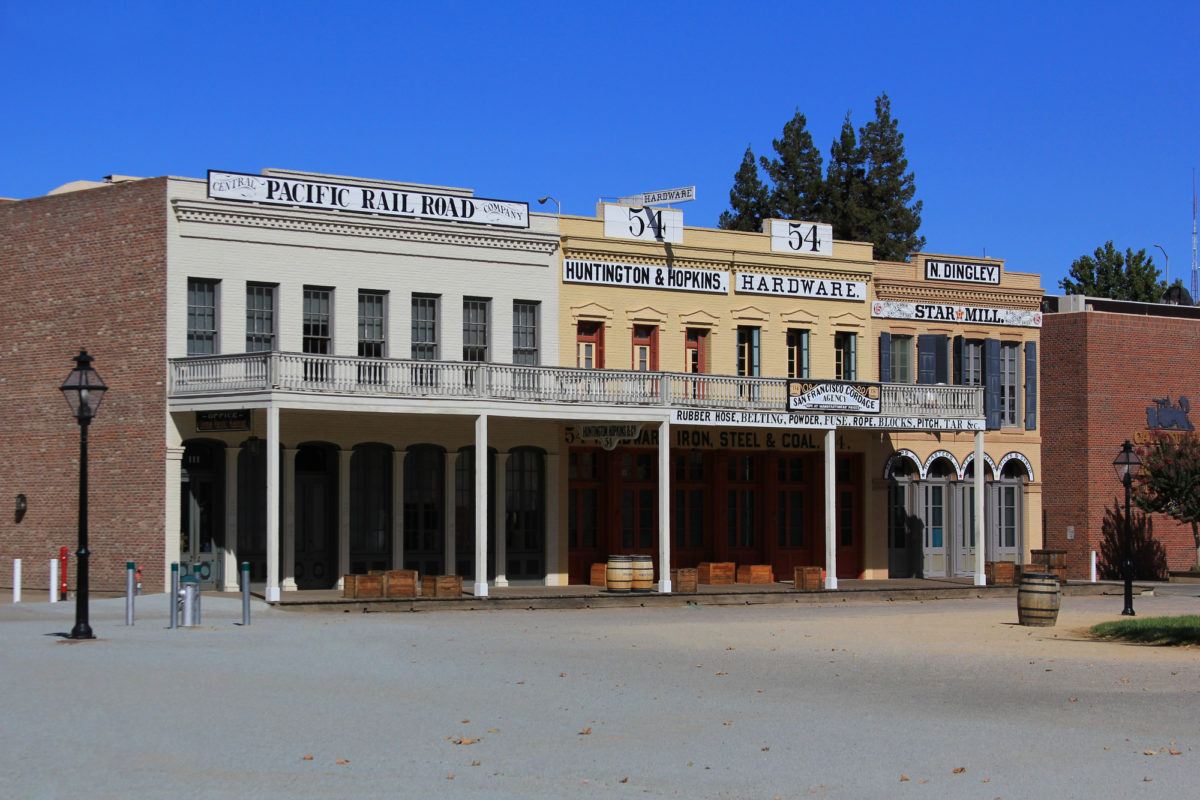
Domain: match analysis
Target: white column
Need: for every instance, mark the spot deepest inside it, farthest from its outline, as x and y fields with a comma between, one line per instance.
x=449, y=553
x=16, y=580
x=552, y=559
x=229, y=561
x=343, y=514
x=54, y=580
x=500, y=513
x=481, y=505
x=173, y=522
x=288, y=584
x=272, y=457
x=664, y=507
x=398, y=509
x=980, y=527
x=831, y=509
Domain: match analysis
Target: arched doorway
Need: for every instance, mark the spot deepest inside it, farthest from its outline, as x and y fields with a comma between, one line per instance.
x=1006, y=538
x=370, y=508
x=936, y=505
x=424, y=509
x=905, y=528
x=202, y=511
x=316, y=516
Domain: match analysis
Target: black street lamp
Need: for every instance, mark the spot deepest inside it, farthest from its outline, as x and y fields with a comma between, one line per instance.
x=1127, y=466
x=84, y=390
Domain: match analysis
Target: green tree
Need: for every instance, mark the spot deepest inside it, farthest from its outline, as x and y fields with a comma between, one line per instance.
x=1119, y=276
x=1170, y=481
x=893, y=216
x=846, y=190
x=797, y=185
x=749, y=199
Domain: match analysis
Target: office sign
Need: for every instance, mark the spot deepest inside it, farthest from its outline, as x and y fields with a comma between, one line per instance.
x=357, y=198
x=785, y=420
x=645, y=276
x=800, y=238
x=941, y=312
x=683, y=194
x=784, y=286
x=962, y=271
x=215, y=421
x=643, y=223
x=842, y=396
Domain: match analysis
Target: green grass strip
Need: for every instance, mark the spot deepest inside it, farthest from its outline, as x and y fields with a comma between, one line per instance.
x=1181, y=630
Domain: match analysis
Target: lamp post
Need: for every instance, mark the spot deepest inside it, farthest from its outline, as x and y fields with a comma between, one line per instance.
x=543, y=200
x=1127, y=466
x=1166, y=265
x=84, y=390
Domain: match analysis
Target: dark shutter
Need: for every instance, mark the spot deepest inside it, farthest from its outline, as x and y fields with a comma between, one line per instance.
x=958, y=360
x=927, y=358
x=991, y=383
x=941, y=359
x=885, y=357
x=1031, y=377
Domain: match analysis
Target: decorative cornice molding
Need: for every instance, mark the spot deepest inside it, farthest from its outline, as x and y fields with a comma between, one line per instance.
x=363, y=227
x=909, y=292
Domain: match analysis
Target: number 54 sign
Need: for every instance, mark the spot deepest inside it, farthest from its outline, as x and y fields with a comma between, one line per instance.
x=646, y=223
x=802, y=238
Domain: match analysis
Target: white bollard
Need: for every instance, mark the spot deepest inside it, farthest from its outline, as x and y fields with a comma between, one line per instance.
x=1093, y=566
x=16, y=580
x=54, y=580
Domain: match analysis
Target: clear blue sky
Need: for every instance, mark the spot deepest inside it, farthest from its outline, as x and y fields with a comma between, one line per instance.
x=1036, y=130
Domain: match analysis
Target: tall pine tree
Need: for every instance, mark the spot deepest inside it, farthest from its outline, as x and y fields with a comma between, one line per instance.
x=846, y=190
x=797, y=185
x=894, y=217
x=749, y=199
x=1120, y=276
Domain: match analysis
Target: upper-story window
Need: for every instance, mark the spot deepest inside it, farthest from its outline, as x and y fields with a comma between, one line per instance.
x=372, y=324
x=201, y=317
x=260, y=317
x=845, y=356
x=695, y=350
x=475, y=328
x=972, y=362
x=797, y=353
x=525, y=333
x=748, y=360
x=318, y=319
x=902, y=367
x=1010, y=353
x=589, y=345
x=425, y=327
x=645, y=348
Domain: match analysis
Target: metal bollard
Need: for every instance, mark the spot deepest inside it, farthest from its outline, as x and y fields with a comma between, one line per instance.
x=189, y=588
x=198, y=585
x=129, y=568
x=245, y=592
x=54, y=580
x=16, y=580
x=173, y=595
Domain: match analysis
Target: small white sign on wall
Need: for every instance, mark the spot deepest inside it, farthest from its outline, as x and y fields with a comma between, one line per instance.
x=801, y=238
x=645, y=223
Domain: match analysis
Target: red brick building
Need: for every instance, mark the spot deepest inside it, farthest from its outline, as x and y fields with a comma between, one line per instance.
x=1108, y=369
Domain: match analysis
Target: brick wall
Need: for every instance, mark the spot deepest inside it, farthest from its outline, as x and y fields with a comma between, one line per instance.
x=1100, y=373
x=85, y=269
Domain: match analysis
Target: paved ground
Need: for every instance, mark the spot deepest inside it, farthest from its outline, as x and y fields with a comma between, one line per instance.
x=714, y=702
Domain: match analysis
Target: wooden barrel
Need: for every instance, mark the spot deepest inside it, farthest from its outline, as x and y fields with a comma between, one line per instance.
x=643, y=573
x=1038, y=599
x=620, y=573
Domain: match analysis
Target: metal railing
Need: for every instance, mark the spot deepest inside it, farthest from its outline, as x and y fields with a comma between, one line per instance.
x=409, y=378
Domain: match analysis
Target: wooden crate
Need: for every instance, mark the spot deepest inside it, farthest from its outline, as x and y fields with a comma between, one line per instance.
x=441, y=586
x=716, y=573
x=683, y=580
x=599, y=575
x=400, y=583
x=1000, y=573
x=755, y=573
x=1049, y=558
x=808, y=579
x=362, y=586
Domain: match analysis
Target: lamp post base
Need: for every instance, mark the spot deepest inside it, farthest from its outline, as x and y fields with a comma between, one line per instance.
x=81, y=631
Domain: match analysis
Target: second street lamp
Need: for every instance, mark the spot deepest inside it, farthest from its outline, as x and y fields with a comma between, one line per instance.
x=84, y=390
x=1127, y=466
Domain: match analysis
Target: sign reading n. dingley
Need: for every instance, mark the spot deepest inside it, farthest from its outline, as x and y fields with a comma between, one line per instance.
x=940, y=312
x=645, y=276
x=757, y=283
x=282, y=191
x=962, y=271
x=853, y=398
x=784, y=419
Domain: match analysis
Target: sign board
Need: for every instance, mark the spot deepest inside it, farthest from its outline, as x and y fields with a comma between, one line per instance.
x=643, y=223
x=784, y=419
x=941, y=312
x=363, y=199
x=962, y=271
x=645, y=276
x=683, y=194
x=842, y=396
x=784, y=286
x=609, y=435
x=214, y=421
x=800, y=238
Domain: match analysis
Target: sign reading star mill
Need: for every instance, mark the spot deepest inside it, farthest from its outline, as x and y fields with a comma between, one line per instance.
x=942, y=312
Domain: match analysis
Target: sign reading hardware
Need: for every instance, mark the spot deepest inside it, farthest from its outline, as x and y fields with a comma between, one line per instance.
x=939, y=312
x=644, y=223
x=962, y=271
x=784, y=419
x=681, y=195
x=235, y=420
x=643, y=276
x=757, y=283
x=804, y=238
x=854, y=398
x=282, y=191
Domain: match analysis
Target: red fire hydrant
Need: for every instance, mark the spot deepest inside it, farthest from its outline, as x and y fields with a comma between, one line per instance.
x=137, y=578
x=62, y=573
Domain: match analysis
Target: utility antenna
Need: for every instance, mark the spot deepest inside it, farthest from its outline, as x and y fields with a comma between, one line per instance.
x=1195, y=272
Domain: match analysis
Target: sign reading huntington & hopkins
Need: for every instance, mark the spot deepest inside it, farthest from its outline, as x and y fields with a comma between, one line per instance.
x=328, y=196
x=940, y=312
x=645, y=276
x=841, y=396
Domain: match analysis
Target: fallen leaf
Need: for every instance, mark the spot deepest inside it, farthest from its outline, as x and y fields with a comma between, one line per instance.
x=719, y=674
x=959, y=770
x=765, y=749
x=449, y=776
x=625, y=779
x=562, y=674
x=1147, y=779
x=493, y=730
x=904, y=778
x=474, y=763
x=343, y=761
x=466, y=721
x=1149, y=753
x=1074, y=700
x=923, y=780
x=520, y=683
x=727, y=723
x=1173, y=751
x=464, y=740
x=306, y=757
x=728, y=648
x=586, y=732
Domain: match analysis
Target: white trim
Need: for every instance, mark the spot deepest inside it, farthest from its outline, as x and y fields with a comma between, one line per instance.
x=936, y=454
x=1015, y=456
x=890, y=464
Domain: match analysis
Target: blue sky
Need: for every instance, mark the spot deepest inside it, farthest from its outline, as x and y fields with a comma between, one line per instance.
x=1036, y=130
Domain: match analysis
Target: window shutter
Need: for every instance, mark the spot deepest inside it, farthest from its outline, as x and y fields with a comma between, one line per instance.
x=885, y=357
x=958, y=360
x=927, y=358
x=754, y=352
x=1031, y=376
x=941, y=359
x=991, y=383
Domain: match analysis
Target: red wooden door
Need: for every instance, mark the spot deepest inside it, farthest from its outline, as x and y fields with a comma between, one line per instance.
x=793, y=496
x=691, y=508
x=586, y=513
x=849, y=502
x=740, y=517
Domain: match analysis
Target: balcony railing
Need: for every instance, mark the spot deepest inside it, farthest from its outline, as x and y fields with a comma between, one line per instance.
x=406, y=378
